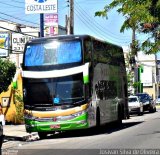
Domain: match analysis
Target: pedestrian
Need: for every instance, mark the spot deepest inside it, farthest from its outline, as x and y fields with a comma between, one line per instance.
x=2, y=123
x=2, y=119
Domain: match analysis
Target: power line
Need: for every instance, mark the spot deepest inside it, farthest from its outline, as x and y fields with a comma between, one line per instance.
x=6, y=20
x=98, y=2
x=97, y=31
x=85, y=13
x=86, y=22
x=17, y=1
x=17, y=32
x=18, y=18
x=12, y=5
x=89, y=21
x=97, y=24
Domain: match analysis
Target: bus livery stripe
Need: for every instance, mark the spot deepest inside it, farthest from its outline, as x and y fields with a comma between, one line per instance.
x=45, y=114
x=57, y=73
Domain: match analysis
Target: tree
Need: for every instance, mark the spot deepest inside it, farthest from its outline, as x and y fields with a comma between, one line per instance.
x=19, y=105
x=136, y=12
x=7, y=72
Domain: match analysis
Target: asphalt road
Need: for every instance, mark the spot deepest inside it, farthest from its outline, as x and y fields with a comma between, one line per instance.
x=138, y=135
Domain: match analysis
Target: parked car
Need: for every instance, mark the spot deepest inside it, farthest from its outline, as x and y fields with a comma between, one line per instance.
x=147, y=101
x=157, y=100
x=135, y=106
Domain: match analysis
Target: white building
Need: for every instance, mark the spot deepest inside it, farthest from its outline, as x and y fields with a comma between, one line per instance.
x=148, y=77
x=150, y=72
x=13, y=37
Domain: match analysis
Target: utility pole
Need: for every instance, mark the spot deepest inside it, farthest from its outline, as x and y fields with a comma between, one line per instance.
x=71, y=21
x=67, y=25
x=18, y=29
x=41, y=25
x=134, y=52
x=138, y=69
x=132, y=59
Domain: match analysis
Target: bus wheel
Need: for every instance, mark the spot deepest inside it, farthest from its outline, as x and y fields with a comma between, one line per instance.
x=42, y=135
x=98, y=118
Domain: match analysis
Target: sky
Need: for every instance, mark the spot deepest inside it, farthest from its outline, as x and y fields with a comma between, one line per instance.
x=85, y=21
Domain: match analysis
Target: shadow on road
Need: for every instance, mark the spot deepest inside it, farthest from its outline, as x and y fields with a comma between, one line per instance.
x=106, y=129
x=144, y=113
x=12, y=138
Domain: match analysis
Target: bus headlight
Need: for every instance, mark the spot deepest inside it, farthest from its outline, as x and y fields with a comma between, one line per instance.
x=24, y=92
x=79, y=113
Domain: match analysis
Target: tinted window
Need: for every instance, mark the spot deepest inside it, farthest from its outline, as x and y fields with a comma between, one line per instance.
x=143, y=97
x=108, y=53
x=133, y=99
x=106, y=89
x=52, y=53
x=87, y=50
x=63, y=90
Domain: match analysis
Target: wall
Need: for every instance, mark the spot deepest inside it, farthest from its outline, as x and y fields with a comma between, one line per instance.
x=149, y=63
x=151, y=90
x=10, y=110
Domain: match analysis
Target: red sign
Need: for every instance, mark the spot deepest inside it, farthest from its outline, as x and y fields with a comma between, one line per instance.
x=51, y=19
x=55, y=126
x=51, y=24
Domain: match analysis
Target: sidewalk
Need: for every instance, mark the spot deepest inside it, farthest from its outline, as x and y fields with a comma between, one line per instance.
x=17, y=132
x=158, y=106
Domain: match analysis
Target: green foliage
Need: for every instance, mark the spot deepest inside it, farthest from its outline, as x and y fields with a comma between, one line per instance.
x=7, y=72
x=150, y=47
x=19, y=105
x=130, y=79
x=137, y=12
x=136, y=84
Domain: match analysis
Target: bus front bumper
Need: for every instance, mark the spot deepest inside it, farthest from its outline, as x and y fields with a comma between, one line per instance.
x=37, y=126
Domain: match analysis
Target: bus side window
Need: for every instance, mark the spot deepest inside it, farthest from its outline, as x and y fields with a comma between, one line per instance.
x=87, y=50
x=96, y=52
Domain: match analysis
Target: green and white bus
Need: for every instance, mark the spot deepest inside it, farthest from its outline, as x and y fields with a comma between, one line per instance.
x=73, y=82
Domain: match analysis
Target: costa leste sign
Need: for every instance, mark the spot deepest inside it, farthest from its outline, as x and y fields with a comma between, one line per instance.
x=40, y=6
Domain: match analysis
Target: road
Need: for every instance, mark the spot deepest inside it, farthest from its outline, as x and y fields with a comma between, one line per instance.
x=139, y=133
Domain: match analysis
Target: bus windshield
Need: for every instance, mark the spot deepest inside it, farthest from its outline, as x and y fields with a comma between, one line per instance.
x=54, y=91
x=53, y=53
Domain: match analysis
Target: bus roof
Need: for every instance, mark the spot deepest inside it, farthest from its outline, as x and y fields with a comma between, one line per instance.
x=69, y=37
x=59, y=37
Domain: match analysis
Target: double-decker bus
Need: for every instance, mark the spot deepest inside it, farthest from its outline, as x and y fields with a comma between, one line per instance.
x=73, y=82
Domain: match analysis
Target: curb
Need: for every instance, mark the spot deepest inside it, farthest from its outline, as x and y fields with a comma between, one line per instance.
x=12, y=141
x=32, y=136
x=22, y=138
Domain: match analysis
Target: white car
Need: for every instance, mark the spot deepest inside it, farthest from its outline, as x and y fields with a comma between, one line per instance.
x=157, y=100
x=135, y=106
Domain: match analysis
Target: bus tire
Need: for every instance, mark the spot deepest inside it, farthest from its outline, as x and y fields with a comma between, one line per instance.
x=128, y=116
x=42, y=135
x=98, y=118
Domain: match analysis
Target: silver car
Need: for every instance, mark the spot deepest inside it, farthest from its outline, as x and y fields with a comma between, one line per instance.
x=157, y=100
x=135, y=106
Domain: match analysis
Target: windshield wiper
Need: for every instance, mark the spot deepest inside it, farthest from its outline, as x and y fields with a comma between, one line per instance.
x=79, y=102
x=29, y=107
